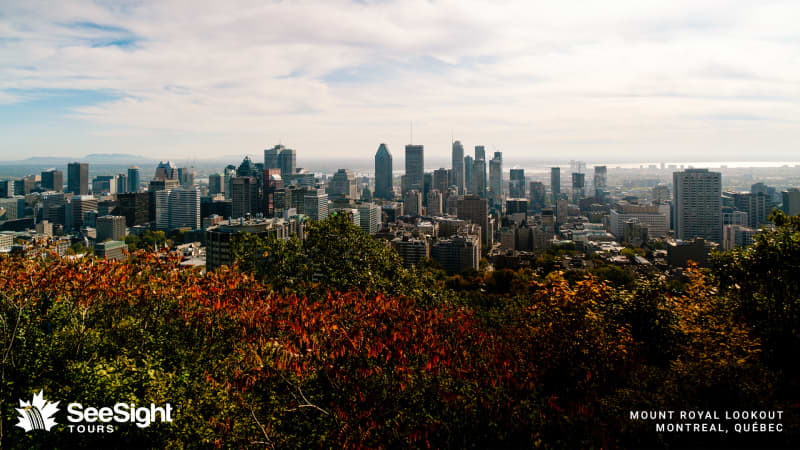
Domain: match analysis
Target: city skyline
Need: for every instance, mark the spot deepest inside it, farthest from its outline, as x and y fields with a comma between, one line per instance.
x=522, y=78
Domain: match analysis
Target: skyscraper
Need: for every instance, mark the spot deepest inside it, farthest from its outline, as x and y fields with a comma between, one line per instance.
x=480, y=152
x=184, y=208
x=315, y=204
x=441, y=180
x=216, y=184
x=538, y=196
x=287, y=162
x=516, y=183
x=791, y=201
x=698, y=205
x=469, y=187
x=412, y=203
x=435, y=203
x=343, y=185
x=479, y=178
x=122, y=183
x=457, y=168
x=244, y=192
x=555, y=184
x=578, y=186
x=415, y=167
x=496, y=178
x=133, y=179
x=383, y=173
x=110, y=227
x=600, y=181
x=476, y=210
x=53, y=180
x=78, y=178
x=271, y=157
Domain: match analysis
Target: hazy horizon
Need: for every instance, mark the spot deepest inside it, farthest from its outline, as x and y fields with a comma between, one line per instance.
x=621, y=81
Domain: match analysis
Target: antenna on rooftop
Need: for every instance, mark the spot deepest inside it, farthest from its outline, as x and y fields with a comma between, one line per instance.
x=411, y=136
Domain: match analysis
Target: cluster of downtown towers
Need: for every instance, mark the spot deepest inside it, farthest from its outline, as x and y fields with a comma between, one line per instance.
x=696, y=206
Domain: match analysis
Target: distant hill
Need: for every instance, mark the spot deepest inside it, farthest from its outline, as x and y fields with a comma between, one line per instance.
x=96, y=158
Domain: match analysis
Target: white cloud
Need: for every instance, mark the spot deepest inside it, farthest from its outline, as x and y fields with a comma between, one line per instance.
x=583, y=79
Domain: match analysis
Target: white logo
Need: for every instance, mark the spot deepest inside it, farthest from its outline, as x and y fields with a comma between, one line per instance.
x=38, y=414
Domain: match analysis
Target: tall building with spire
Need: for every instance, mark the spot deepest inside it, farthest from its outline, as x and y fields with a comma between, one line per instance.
x=383, y=173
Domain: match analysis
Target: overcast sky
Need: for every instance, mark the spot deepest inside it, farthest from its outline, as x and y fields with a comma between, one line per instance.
x=622, y=80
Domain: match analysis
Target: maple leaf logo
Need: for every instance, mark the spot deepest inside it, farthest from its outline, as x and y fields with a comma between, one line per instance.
x=37, y=414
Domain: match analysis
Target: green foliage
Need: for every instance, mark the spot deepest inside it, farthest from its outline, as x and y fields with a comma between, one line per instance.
x=335, y=255
x=763, y=285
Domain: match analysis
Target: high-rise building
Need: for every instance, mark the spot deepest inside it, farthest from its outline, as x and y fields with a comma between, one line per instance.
x=479, y=178
x=458, y=253
x=287, y=162
x=54, y=209
x=78, y=178
x=230, y=172
x=578, y=186
x=600, y=181
x=134, y=179
x=555, y=184
x=81, y=204
x=272, y=184
x=343, y=185
x=315, y=204
x=53, y=180
x=271, y=157
x=476, y=209
x=135, y=207
x=244, y=195
x=6, y=188
x=104, y=184
x=496, y=177
x=457, y=168
x=412, y=203
x=538, y=196
x=186, y=176
x=216, y=184
x=383, y=173
x=441, y=180
x=184, y=208
x=480, y=152
x=516, y=183
x=110, y=228
x=160, y=204
x=370, y=217
x=469, y=186
x=247, y=168
x=122, y=183
x=412, y=251
x=415, y=168
x=435, y=203
x=791, y=201
x=697, y=204
x=166, y=170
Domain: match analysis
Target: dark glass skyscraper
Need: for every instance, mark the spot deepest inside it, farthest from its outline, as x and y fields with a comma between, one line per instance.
x=78, y=178
x=383, y=173
x=415, y=167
